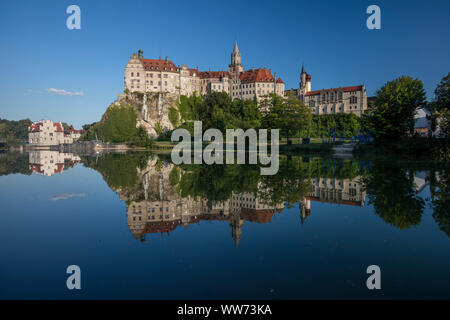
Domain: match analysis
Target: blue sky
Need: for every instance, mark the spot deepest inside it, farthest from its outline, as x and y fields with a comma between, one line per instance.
x=38, y=52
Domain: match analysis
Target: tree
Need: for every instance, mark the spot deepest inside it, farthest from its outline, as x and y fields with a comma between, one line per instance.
x=441, y=106
x=215, y=111
x=288, y=114
x=391, y=117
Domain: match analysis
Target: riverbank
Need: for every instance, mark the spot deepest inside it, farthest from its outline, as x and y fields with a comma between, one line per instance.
x=410, y=149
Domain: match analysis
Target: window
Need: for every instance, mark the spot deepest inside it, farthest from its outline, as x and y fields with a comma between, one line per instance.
x=132, y=74
x=137, y=74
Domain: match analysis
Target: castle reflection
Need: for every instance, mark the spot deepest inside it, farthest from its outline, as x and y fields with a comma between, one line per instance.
x=161, y=196
x=158, y=206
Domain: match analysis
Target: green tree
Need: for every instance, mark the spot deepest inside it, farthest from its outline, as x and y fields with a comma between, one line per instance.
x=288, y=114
x=441, y=105
x=118, y=125
x=174, y=116
x=392, y=115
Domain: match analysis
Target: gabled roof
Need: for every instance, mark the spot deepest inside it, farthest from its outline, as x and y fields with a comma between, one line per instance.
x=256, y=75
x=36, y=127
x=214, y=74
x=344, y=89
x=159, y=65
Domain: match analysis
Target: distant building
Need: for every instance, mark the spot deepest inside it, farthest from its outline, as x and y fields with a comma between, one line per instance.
x=422, y=122
x=351, y=99
x=157, y=75
x=49, y=133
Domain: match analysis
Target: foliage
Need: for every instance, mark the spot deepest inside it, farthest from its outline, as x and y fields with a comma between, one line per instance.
x=288, y=114
x=392, y=194
x=441, y=105
x=188, y=107
x=174, y=117
x=118, y=125
x=88, y=125
x=347, y=123
x=158, y=128
x=14, y=132
x=441, y=200
x=392, y=115
x=14, y=162
x=118, y=170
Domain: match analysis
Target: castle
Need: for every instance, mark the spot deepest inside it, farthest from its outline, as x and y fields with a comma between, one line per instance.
x=162, y=75
x=351, y=99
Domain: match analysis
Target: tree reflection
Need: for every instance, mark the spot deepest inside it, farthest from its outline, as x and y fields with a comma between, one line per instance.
x=391, y=192
x=440, y=192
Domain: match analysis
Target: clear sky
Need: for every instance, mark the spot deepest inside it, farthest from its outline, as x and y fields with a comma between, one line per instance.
x=38, y=52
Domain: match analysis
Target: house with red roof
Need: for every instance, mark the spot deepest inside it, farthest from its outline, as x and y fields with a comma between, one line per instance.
x=47, y=133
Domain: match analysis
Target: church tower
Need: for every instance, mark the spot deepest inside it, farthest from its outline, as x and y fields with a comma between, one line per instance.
x=236, y=66
x=305, y=83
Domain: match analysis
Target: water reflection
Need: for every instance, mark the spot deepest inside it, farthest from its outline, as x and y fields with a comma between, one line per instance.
x=160, y=196
x=47, y=163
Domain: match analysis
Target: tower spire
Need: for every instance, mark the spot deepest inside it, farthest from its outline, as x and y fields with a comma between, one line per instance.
x=236, y=49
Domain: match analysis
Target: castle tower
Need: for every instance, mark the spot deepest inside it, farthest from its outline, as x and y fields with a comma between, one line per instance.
x=236, y=228
x=236, y=66
x=305, y=83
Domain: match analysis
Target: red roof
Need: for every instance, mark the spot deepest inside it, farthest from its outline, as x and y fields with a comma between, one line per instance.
x=344, y=89
x=36, y=127
x=279, y=80
x=193, y=72
x=259, y=216
x=58, y=127
x=214, y=74
x=159, y=65
x=256, y=75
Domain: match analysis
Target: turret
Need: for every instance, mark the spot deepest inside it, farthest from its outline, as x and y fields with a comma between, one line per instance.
x=236, y=65
x=140, y=53
x=305, y=82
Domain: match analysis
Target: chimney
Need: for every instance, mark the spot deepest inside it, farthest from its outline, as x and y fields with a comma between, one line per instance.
x=167, y=58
